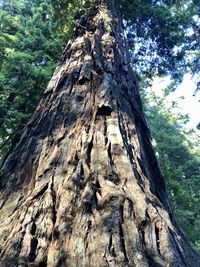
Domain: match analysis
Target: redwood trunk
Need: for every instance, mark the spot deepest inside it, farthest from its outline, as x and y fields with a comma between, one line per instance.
x=83, y=186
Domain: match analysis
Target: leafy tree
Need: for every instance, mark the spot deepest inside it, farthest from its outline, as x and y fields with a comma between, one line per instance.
x=33, y=34
x=179, y=156
x=30, y=47
x=162, y=33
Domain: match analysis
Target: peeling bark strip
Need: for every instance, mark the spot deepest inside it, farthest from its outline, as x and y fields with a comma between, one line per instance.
x=83, y=187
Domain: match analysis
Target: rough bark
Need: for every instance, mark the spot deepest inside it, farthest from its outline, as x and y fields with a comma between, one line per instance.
x=83, y=186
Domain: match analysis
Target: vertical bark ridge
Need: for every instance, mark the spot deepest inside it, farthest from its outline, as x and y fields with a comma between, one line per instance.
x=83, y=187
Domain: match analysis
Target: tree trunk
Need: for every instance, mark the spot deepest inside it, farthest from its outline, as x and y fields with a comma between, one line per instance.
x=83, y=186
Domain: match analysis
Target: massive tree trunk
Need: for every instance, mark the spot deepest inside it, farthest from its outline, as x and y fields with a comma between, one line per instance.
x=83, y=186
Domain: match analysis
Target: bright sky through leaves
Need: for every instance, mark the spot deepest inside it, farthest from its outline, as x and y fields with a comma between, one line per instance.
x=188, y=103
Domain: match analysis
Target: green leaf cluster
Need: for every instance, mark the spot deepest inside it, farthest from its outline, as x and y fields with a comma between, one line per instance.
x=178, y=152
x=30, y=46
x=163, y=35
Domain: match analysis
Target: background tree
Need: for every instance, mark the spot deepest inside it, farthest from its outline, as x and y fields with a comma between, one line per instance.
x=30, y=47
x=178, y=152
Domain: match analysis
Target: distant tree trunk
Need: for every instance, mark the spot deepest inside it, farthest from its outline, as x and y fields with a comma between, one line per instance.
x=83, y=186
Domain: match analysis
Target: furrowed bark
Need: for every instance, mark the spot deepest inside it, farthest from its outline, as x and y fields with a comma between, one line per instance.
x=83, y=186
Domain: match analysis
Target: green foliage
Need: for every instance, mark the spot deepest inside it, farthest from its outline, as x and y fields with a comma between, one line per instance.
x=178, y=152
x=66, y=12
x=30, y=45
x=163, y=36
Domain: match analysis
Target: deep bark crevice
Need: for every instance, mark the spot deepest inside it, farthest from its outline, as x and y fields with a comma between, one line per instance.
x=89, y=226
x=41, y=192
x=53, y=194
x=157, y=233
x=104, y=111
x=88, y=152
x=33, y=247
x=33, y=228
x=122, y=242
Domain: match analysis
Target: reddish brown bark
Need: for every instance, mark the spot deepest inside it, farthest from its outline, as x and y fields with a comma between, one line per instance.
x=83, y=186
